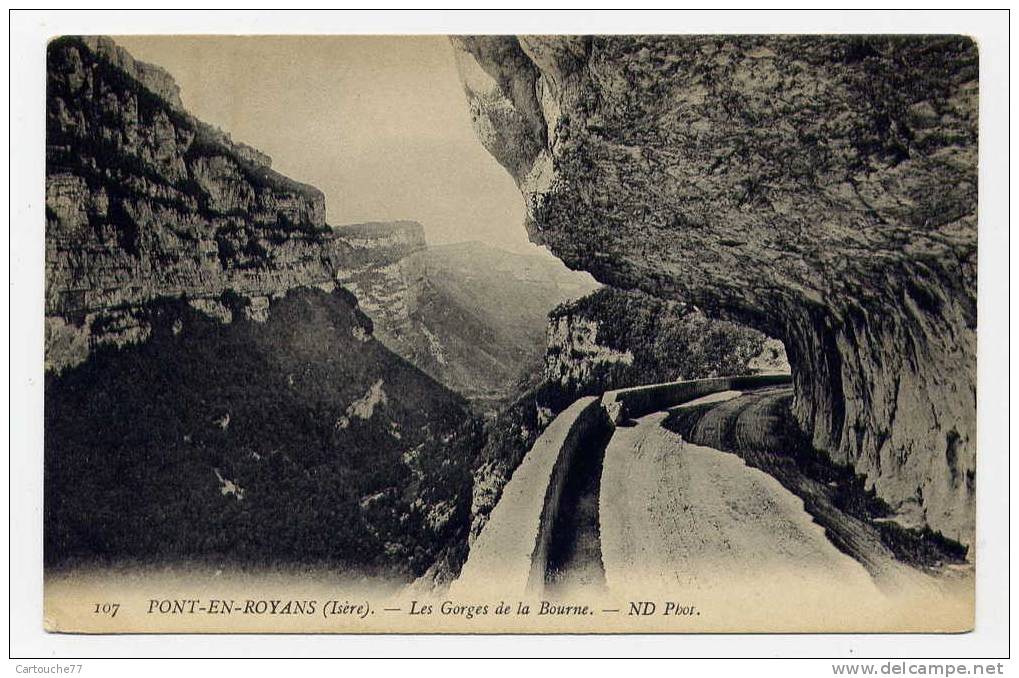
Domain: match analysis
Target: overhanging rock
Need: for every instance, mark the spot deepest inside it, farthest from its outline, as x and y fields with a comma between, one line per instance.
x=821, y=189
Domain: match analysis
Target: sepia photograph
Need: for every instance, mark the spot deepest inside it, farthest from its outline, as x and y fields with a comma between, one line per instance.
x=511, y=333
x=742, y=358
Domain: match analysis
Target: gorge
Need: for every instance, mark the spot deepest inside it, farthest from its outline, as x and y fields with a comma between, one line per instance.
x=231, y=378
x=221, y=358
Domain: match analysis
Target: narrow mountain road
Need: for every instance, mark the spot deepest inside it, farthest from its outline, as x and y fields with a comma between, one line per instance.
x=676, y=515
x=721, y=511
x=758, y=427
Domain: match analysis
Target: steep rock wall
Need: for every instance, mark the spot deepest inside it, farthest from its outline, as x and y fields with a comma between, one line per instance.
x=615, y=339
x=146, y=202
x=378, y=269
x=821, y=189
x=378, y=243
x=211, y=392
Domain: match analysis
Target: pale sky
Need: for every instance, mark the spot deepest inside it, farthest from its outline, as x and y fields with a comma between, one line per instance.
x=379, y=124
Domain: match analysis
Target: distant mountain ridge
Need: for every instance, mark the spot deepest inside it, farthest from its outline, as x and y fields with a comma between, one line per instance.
x=468, y=314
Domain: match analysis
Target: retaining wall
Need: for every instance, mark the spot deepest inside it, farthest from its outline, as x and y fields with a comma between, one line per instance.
x=511, y=553
x=512, y=550
x=627, y=403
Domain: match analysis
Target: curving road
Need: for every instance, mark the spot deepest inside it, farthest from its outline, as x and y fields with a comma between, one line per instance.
x=674, y=514
x=722, y=506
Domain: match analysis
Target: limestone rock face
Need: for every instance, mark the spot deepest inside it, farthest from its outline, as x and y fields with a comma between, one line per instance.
x=211, y=391
x=146, y=202
x=381, y=242
x=379, y=270
x=615, y=339
x=151, y=76
x=822, y=190
x=469, y=315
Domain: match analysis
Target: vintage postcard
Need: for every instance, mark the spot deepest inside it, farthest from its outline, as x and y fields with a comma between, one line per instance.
x=510, y=334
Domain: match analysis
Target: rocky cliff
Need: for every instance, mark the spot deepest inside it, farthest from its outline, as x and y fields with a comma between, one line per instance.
x=377, y=269
x=211, y=393
x=376, y=243
x=820, y=189
x=614, y=339
x=146, y=202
